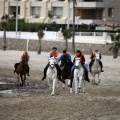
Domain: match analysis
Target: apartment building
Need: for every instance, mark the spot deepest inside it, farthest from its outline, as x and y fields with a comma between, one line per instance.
x=86, y=11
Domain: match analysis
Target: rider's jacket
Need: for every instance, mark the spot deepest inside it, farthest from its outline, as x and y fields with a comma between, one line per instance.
x=53, y=54
x=25, y=55
x=81, y=57
x=67, y=57
x=94, y=54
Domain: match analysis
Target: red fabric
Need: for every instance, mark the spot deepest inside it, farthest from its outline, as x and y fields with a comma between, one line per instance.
x=53, y=54
x=81, y=57
x=93, y=54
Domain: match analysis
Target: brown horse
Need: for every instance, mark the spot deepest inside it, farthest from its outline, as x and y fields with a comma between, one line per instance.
x=21, y=71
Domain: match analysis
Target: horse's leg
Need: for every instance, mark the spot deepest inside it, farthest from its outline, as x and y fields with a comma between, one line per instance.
x=63, y=85
x=21, y=79
x=93, y=76
x=99, y=80
x=18, y=80
x=76, y=84
x=24, y=79
x=71, y=81
x=80, y=82
x=84, y=81
x=49, y=82
x=53, y=87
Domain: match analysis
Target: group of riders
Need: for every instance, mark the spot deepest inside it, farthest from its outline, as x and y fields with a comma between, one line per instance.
x=54, y=53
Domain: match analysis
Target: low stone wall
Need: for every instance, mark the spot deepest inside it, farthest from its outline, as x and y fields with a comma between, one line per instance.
x=20, y=44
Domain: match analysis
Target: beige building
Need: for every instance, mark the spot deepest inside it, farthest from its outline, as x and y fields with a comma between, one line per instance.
x=87, y=11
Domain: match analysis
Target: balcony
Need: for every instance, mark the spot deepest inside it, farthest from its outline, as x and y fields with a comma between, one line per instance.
x=36, y=3
x=57, y=4
x=88, y=21
x=14, y=3
x=88, y=4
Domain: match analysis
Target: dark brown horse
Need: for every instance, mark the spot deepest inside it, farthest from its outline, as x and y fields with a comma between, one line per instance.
x=21, y=71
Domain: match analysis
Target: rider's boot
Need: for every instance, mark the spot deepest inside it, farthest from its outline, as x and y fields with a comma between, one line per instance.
x=86, y=77
x=59, y=73
x=28, y=69
x=44, y=77
x=45, y=71
x=101, y=65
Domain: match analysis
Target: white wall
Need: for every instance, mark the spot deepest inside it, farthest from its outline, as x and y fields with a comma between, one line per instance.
x=57, y=36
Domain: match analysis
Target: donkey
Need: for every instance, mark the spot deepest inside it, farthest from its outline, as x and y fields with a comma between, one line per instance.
x=95, y=68
x=52, y=75
x=78, y=76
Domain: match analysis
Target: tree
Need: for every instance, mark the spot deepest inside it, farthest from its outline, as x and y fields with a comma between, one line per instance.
x=115, y=45
x=66, y=34
x=40, y=36
x=50, y=14
x=4, y=21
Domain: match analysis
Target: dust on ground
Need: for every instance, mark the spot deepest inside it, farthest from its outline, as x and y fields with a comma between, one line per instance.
x=34, y=102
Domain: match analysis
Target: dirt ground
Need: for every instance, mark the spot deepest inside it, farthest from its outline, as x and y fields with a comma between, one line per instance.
x=34, y=102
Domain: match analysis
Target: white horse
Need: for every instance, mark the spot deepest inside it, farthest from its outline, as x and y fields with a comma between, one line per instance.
x=78, y=76
x=52, y=75
x=95, y=68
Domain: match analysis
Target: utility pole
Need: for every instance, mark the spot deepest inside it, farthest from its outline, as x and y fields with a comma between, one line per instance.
x=68, y=22
x=73, y=40
x=16, y=18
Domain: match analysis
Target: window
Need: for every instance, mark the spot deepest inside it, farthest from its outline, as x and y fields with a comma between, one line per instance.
x=110, y=12
x=58, y=11
x=36, y=12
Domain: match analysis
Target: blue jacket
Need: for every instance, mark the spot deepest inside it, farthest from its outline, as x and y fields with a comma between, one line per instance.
x=68, y=57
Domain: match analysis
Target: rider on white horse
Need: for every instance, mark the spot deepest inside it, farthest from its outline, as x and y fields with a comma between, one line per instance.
x=92, y=60
x=53, y=53
x=80, y=55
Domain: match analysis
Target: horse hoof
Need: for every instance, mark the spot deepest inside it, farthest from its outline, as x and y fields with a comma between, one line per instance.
x=52, y=94
x=70, y=90
x=79, y=87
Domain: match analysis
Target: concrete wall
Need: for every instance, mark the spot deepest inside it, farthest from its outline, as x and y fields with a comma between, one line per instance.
x=17, y=44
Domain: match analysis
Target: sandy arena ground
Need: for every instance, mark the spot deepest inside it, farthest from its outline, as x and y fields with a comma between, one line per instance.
x=34, y=102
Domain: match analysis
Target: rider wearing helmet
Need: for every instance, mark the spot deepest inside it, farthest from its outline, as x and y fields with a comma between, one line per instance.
x=80, y=55
x=53, y=53
x=92, y=60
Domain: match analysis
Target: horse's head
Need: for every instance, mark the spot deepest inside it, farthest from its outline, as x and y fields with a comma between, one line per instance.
x=52, y=61
x=77, y=62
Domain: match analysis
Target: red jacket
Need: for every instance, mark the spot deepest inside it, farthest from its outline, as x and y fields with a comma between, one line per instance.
x=81, y=57
x=53, y=54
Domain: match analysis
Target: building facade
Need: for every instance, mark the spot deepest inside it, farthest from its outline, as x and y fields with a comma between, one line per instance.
x=86, y=11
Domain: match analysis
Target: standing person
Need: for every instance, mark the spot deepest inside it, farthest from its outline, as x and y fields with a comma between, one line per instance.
x=25, y=56
x=92, y=60
x=53, y=53
x=80, y=55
